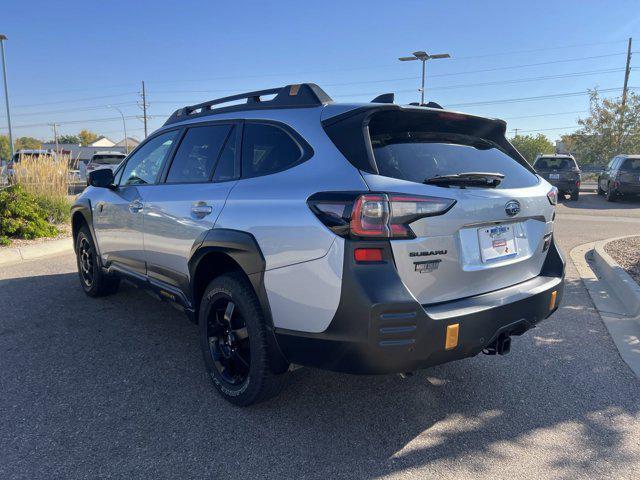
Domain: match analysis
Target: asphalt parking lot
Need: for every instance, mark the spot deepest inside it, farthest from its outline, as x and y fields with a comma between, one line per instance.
x=115, y=387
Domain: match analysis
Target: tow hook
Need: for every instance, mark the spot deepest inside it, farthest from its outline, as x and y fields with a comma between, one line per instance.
x=500, y=346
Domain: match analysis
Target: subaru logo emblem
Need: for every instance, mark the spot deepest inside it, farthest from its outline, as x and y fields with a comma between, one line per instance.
x=512, y=208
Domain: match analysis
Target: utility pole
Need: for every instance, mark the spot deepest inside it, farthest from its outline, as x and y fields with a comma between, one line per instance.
x=516, y=129
x=623, y=104
x=144, y=108
x=55, y=136
x=6, y=93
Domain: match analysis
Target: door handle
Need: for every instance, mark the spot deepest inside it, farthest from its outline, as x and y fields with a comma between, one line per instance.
x=135, y=206
x=201, y=209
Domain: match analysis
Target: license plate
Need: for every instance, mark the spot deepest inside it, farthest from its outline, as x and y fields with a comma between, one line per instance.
x=497, y=242
x=554, y=176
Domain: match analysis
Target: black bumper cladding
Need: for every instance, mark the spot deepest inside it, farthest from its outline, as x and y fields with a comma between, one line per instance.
x=380, y=328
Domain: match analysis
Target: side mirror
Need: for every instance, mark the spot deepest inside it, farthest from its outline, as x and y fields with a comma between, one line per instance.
x=102, y=178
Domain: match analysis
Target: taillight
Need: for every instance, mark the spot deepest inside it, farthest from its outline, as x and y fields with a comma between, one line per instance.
x=375, y=215
x=553, y=196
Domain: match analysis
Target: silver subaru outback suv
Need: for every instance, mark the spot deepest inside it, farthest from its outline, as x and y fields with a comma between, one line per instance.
x=362, y=238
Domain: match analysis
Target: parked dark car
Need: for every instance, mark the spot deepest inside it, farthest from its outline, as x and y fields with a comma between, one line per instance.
x=560, y=171
x=620, y=178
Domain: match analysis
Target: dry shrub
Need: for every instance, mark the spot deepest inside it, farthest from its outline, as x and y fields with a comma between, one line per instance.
x=47, y=180
x=43, y=176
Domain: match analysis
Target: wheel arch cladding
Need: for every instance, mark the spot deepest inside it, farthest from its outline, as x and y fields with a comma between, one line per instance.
x=225, y=250
x=81, y=215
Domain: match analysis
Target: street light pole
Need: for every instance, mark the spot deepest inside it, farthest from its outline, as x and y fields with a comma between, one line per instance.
x=6, y=93
x=124, y=126
x=423, y=57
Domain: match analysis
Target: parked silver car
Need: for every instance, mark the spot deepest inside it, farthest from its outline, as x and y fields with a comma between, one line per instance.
x=360, y=238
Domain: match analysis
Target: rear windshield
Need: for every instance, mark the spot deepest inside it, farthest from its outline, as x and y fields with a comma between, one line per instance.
x=417, y=156
x=107, y=159
x=552, y=163
x=631, y=165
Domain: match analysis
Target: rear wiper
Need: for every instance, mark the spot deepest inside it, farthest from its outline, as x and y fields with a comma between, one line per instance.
x=467, y=179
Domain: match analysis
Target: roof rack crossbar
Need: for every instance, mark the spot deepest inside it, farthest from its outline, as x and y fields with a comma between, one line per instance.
x=299, y=95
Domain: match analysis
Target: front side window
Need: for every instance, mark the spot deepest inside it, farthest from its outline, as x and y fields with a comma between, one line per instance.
x=267, y=149
x=143, y=166
x=197, y=154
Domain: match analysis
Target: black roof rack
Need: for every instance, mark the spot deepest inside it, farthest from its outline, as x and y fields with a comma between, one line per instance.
x=290, y=96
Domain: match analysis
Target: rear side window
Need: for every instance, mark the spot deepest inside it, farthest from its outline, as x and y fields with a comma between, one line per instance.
x=553, y=163
x=418, y=156
x=197, y=154
x=228, y=167
x=267, y=149
x=631, y=165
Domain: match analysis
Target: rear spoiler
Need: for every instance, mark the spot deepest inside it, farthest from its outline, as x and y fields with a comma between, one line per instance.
x=349, y=131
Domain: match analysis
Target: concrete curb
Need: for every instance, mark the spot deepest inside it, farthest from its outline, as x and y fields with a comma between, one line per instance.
x=30, y=252
x=627, y=290
x=623, y=328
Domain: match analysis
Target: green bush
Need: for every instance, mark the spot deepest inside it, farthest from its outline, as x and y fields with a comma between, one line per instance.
x=57, y=210
x=21, y=216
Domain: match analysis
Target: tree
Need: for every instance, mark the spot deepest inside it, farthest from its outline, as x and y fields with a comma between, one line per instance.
x=607, y=131
x=86, y=137
x=5, y=151
x=28, y=143
x=530, y=147
x=73, y=139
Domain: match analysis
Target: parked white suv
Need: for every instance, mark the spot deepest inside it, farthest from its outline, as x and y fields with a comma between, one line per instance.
x=101, y=160
x=360, y=238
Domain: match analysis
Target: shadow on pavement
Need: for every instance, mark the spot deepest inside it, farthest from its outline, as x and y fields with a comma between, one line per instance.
x=116, y=386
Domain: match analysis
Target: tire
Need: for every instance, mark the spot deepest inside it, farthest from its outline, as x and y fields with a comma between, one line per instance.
x=234, y=341
x=93, y=280
x=575, y=196
x=610, y=195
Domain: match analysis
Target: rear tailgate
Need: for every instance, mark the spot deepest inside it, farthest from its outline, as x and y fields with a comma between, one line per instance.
x=482, y=243
x=444, y=262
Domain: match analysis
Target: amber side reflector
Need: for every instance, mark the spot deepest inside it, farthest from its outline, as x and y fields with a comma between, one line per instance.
x=552, y=302
x=451, y=340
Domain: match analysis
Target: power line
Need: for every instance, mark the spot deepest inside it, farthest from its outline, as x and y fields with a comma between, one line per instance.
x=57, y=102
x=542, y=49
x=77, y=109
x=292, y=74
x=527, y=99
x=503, y=82
x=545, y=115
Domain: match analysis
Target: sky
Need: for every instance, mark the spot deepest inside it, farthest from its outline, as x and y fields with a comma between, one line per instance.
x=75, y=62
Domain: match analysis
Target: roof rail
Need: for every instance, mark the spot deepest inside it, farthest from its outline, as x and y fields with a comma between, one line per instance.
x=290, y=96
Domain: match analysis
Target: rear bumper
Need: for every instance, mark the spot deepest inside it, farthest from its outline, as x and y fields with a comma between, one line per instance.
x=565, y=185
x=628, y=188
x=380, y=328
